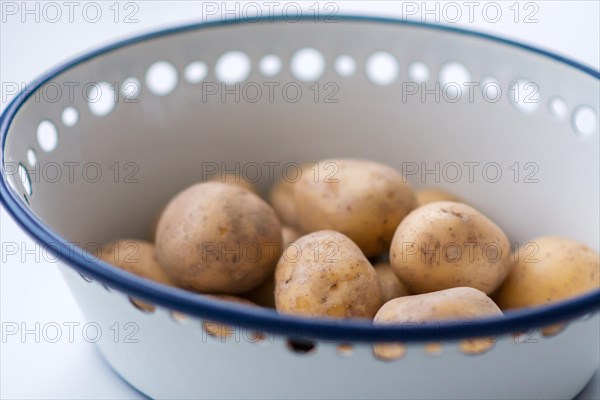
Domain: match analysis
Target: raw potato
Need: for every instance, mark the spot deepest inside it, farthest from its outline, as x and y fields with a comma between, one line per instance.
x=549, y=269
x=362, y=199
x=230, y=179
x=235, y=179
x=215, y=238
x=456, y=303
x=289, y=235
x=430, y=195
x=282, y=200
x=324, y=273
x=264, y=294
x=445, y=244
x=461, y=303
x=135, y=256
x=282, y=197
x=391, y=287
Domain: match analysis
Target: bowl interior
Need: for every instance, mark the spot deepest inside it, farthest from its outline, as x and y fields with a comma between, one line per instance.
x=518, y=152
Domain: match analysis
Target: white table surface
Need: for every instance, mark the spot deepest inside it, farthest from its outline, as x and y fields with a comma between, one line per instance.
x=32, y=291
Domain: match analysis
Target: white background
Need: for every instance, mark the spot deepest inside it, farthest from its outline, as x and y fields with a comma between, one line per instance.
x=32, y=291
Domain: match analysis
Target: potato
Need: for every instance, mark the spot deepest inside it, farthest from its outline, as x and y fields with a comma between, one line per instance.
x=461, y=303
x=264, y=294
x=289, y=235
x=430, y=195
x=324, y=273
x=282, y=199
x=549, y=269
x=391, y=287
x=230, y=179
x=135, y=256
x=235, y=179
x=455, y=303
x=216, y=238
x=362, y=199
x=445, y=244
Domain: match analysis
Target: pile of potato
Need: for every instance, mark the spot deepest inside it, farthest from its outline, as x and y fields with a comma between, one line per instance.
x=310, y=250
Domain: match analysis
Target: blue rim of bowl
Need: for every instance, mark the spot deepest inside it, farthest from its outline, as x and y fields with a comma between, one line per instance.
x=264, y=320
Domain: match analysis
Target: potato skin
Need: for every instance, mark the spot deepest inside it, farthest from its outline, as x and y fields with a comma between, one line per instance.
x=362, y=199
x=289, y=235
x=283, y=202
x=135, y=256
x=235, y=179
x=230, y=179
x=471, y=249
x=264, y=295
x=455, y=303
x=431, y=195
x=391, y=287
x=216, y=238
x=325, y=274
x=549, y=269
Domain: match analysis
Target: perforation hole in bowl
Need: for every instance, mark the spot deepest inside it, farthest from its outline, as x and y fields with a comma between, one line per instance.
x=524, y=95
x=300, y=346
x=454, y=72
x=553, y=330
x=101, y=99
x=418, y=72
x=179, y=317
x=31, y=158
x=382, y=68
x=257, y=337
x=195, y=72
x=47, y=136
x=344, y=65
x=25, y=179
x=389, y=351
x=233, y=67
x=161, y=78
x=453, y=76
x=263, y=339
x=131, y=89
x=491, y=89
x=218, y=329
x=269, y=65
x=585, y=121
x=473, y=347
x=307, y=64
x=558, y=108
x=223, y=331
x=139, y=304
x=70, y=117
x=345, y=349
x=433, y=349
